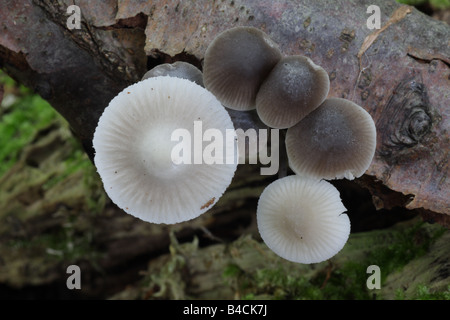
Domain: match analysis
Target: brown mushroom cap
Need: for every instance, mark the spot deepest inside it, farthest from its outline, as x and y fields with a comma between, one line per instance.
x=236, y=63
x=295, y=87
x=337, y=140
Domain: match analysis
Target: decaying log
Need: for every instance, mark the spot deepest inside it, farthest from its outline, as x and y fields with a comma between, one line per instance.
x=235, y=270
x=399, y=73
x=55, y=213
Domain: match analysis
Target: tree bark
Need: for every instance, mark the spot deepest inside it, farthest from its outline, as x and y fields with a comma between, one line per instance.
x=399, y=73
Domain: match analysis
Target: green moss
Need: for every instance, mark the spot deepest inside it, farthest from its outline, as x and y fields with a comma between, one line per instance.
x=232, y=271
x=7, y=81
x=61, y=245
x=20, y=121
x=437, y=4
x=423, y=293
x=410, y=244
x=74, y=162
x=440, y=4
x=284, y=286
x=412, y=2
x=63, y=188
x=345, y=282
x=340, y=279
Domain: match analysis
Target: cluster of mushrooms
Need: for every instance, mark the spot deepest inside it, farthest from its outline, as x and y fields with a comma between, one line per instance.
x=301, y=216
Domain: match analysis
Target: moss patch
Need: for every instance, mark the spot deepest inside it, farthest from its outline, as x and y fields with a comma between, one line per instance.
x=247, y=269
x=345, y=275
x=21, y=118
x=50, y=193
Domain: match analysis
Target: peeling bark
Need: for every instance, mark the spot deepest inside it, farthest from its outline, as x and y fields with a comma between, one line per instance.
x=399, y=73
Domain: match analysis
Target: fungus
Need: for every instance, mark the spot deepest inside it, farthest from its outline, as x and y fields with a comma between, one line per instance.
x=179, y=69
x=251, y=135
x=302, y=219
x=134, y=150
x=337, y=140
x=236, y=63
x=295, y=87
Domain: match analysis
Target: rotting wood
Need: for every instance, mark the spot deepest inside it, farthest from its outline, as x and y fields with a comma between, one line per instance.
x=79, y=71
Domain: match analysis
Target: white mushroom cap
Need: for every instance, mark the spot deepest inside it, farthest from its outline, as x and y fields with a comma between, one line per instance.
x=302, y=219
x=178, y=69
x=236, y=62
x=133, y=145
x=335, y=141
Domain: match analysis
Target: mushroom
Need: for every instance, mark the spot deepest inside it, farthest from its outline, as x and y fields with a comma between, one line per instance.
x=335, y=141
x=302, y=219
x=251, y=135
x=179, y=69
x=134, y=150
x=295, y=87
x=236, y=62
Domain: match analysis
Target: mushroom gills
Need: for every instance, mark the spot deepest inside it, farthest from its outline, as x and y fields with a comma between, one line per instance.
x=133, y=145
x=302, y=219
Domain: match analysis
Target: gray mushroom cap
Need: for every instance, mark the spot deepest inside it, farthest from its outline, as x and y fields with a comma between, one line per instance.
x=179, y=69
x=295, y=87
x=337, y=140
x=236, y=63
